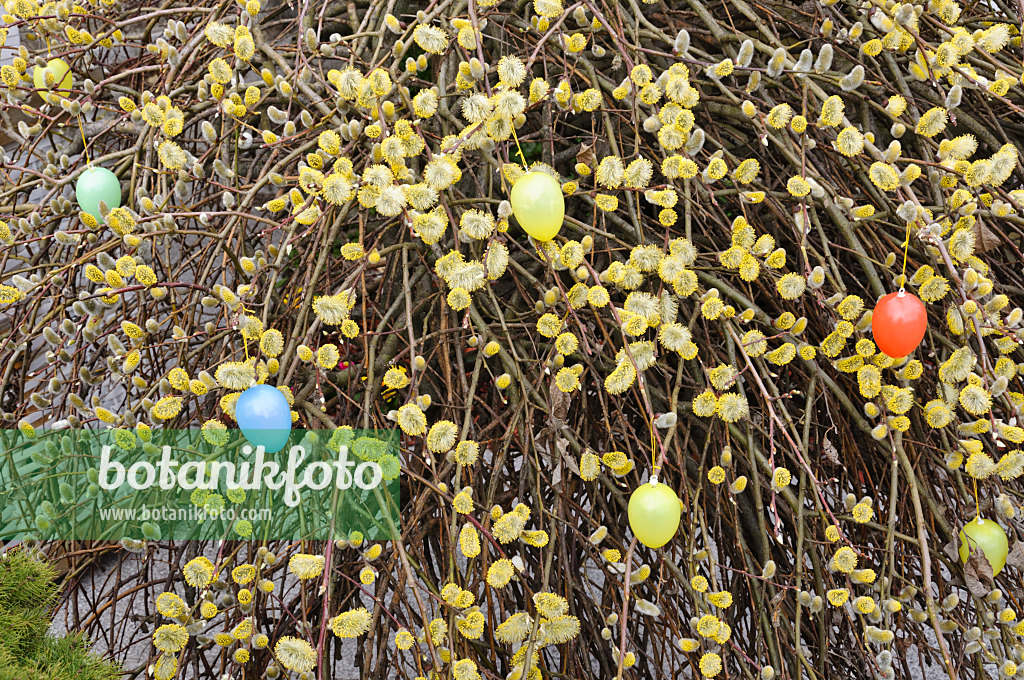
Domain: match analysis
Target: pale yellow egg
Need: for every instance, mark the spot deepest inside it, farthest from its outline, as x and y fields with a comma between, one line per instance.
x=538, y=205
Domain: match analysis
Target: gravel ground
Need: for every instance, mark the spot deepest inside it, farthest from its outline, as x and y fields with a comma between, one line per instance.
x=124, y=622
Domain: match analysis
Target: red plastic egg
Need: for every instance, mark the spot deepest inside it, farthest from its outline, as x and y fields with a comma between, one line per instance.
x=899, y=323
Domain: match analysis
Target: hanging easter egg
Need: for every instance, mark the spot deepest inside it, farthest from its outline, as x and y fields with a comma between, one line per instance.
x=654, y=512
x=97, y=184
x=899, y=323
x=538, y=205
x=264, y=417
x=57, y=72
x=988, y=537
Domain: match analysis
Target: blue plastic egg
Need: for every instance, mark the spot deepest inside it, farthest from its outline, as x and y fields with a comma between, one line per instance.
x=263, y=414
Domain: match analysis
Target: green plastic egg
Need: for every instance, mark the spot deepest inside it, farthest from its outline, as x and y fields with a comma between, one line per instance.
x=59, y=71
x=97, y=184
x=988, y=537
x=654, y=513
x=538, y=205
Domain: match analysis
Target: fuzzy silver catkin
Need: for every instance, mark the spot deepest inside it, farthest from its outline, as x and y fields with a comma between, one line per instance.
x=892, y=152
x=276, y=115
x=777, y=62
x=853, y=79
x=311, y=41
x=666, y=421
x=824, y=60
x=814, y=281
x=65, y=239
x=220, y=168
x=695, y=143
x=72, y=107
x=682, y=42
x=652, y=124
x=208, y=131
x=803, y=64
x=745, y=54
x=907, y=212
x=999, y=386
x=1004, y=507
x=22, y=284
x=953, y=96
x=817, y=191
x=905, y=15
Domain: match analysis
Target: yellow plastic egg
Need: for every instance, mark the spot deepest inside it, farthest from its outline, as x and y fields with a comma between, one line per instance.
x=654, y=512
x=988, y=537
x=538, y=205
x=60, y=73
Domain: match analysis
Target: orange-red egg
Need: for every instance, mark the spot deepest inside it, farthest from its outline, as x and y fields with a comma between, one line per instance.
x=899, y=323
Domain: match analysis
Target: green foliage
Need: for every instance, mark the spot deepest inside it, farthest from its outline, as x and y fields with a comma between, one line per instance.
x=27, y=595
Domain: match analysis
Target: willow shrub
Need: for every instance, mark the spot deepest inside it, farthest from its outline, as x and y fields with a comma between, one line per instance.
x=315, y=196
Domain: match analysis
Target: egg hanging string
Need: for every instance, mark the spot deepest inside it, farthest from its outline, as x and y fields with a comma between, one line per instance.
x=654, y=458
x=522, y=156
x=245, y=340
x=977, y=504
x=85, y=145
x=906, y=247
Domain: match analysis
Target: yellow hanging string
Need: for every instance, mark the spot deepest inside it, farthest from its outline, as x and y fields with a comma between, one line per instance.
x=522, y=156
x=245, y=340
x=977, y=504
x=654, y=458
x=906, y=248
x=85, y=145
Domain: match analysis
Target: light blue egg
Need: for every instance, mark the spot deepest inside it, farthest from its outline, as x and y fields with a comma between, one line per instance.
x=263, y=414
